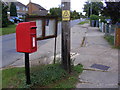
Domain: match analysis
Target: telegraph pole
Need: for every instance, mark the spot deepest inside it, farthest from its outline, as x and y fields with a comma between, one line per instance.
x=66, y=62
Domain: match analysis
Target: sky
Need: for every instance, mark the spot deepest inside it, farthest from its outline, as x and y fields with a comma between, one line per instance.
x=75, y=4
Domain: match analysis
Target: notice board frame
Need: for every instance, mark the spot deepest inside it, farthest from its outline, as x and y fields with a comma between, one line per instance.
x=44, y=18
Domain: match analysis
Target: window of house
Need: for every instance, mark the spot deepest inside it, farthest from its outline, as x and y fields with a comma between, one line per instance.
x=26, y=9
x=17, y=7
x=23, y=8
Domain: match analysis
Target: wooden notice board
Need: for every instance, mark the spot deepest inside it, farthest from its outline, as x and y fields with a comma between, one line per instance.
x=46, y=26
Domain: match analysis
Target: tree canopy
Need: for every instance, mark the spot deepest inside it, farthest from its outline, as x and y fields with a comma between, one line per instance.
x=94, y=7
x=112, y=10
x=13, y=10
x=56, y=12
x=75, y=14
x=4, y=15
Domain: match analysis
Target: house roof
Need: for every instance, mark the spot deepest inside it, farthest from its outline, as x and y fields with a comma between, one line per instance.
x=38, y=6
x=5, y=3
x=20, y=4
x=16, y=3
x=41, y=13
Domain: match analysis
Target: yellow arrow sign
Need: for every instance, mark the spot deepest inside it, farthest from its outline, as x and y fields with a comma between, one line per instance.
x=65, y=15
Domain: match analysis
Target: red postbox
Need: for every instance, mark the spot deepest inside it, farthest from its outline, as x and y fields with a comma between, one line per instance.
x=26, y=37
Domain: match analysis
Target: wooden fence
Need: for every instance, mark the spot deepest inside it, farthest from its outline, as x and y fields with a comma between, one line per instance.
x=117, y=37
x=113, y=30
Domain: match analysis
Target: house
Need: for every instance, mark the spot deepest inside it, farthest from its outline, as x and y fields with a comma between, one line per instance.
x=36, y=9
x=22, y=9
x=6, y=4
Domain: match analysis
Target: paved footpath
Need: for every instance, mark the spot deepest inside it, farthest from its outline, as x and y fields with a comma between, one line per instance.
x=96, y=50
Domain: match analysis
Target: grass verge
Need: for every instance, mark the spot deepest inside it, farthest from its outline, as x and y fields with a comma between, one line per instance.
x=110, y=40
x=49, y=76
x=7, y=30
x=12, y=77
x=83, y=22
x=70, y=81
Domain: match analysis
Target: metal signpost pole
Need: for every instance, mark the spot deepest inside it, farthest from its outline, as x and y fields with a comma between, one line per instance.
x=66, y=63
x=27, y=68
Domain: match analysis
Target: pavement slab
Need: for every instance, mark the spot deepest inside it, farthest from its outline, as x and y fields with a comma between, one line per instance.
x=98, y=79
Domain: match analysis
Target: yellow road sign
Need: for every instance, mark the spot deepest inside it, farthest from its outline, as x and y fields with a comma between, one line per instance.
x=65, y=15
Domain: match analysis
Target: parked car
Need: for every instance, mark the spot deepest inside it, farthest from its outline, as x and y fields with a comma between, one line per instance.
x=11, y=20
x=16, y=19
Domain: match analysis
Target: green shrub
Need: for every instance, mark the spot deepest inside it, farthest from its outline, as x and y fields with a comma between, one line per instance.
x=4, y=22
x=110, y=39
x=94, y=17
x=102, y=19
x=47, y=74
x=71, y=80
x=4, y=16
x=78, y=68
x=21, y=17
x=119, y=20
x=40, y=76
x=10, y=23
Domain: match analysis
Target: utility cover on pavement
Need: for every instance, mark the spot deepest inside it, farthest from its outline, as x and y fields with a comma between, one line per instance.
x=101, y=67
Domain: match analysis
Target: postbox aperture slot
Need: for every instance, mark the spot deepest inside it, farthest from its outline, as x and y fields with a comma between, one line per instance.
x=32, y=34
x=33, y=27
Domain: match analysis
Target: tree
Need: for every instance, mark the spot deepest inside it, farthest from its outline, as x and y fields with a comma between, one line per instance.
x=112, y=10
x=82, y=16
x=4, y=15
x=93, y=8
x=56, y=12
x=13, y=10
x=75, y=15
